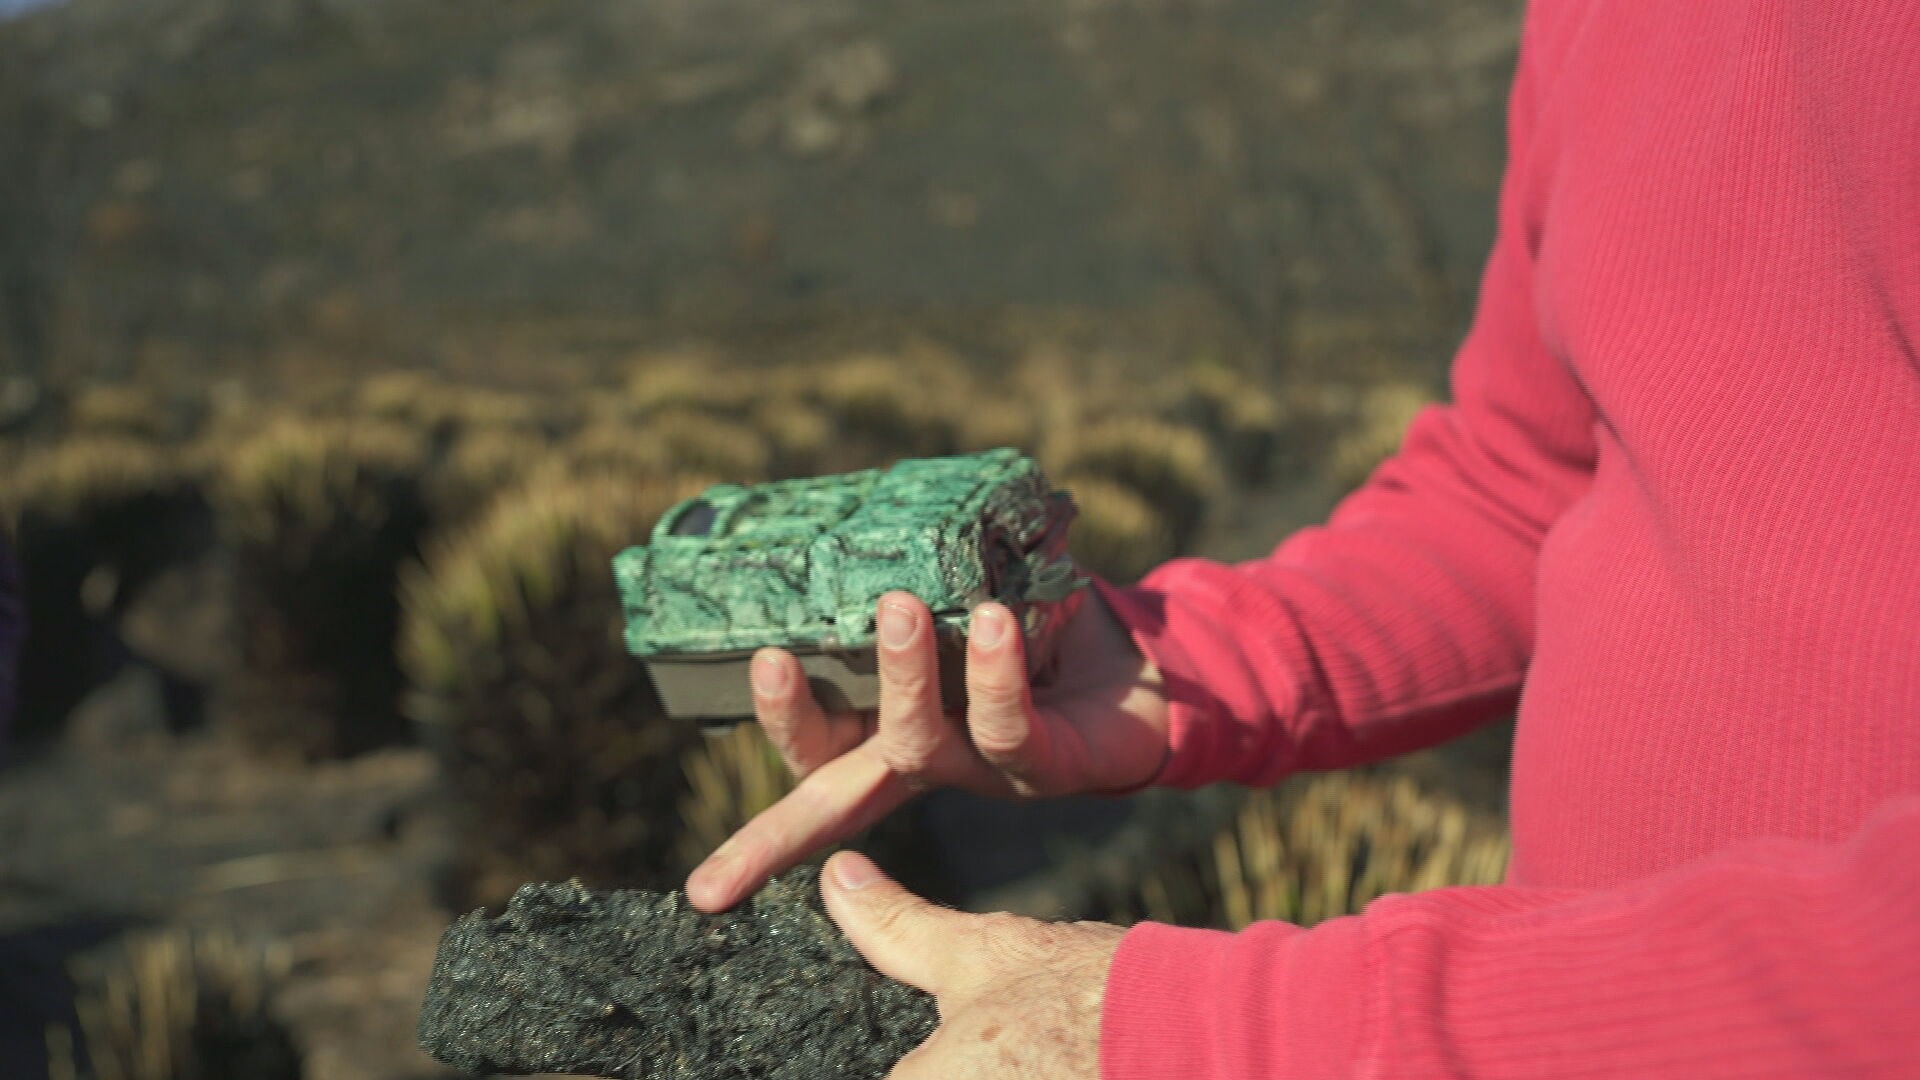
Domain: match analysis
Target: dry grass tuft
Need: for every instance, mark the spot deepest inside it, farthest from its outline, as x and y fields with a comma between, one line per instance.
x=300, y=474
x=696, y=379
x=1171, y=466
x=81, y=477
x=801, y=434
x=1322, y=847
x=124, y=410
x=1241, y=416
x=481, y=464
x=549, y=734
x=400, y=396
x=319, y=515
x=441, y=409
x=1374, y=432
x=990, y=422
x=887, y=407
x=94, y=519
x=672, y=443
x=1118, y=534
x=178, y=1006
x=731, y=777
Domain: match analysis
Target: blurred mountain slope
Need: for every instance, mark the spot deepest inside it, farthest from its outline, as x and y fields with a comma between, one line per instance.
x=225, y=180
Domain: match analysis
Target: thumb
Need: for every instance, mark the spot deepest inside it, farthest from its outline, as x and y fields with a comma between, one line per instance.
x=908, y=939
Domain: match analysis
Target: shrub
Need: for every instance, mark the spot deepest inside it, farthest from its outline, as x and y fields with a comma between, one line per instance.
x=801, y=435
x=671, y=443
x=441, y=409
x=1171, y=466
x=731, y=777
x=1377, y=425
x=691, y=379
x=551, y=739
x=1241, y=417
x=126, y=410
x=176, y=1006
x=886, y=408
x=1320, y=847
x=1117, y=535
x=319, y=515
x=93, y=520
x=989, y=423
x=482, y=463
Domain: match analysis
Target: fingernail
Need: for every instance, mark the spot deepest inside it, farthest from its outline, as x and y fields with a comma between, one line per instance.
x=989, y=628
x=769, y=675
x=854, y=871
x=896, y=626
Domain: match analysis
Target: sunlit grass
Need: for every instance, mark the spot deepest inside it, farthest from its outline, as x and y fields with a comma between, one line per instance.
x=731, y=778
x=318, y=516
x=1118, y=534
x=550, y=737
x=175, y=1005
x=1171, y=466
x=1324, y=846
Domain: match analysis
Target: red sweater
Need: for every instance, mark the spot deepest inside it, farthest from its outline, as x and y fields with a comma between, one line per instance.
x=1674, y=513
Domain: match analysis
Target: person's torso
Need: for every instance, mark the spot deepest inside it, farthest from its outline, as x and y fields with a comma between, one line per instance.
x=1727, y=202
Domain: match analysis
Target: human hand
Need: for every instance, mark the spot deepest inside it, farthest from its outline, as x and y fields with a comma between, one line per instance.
x=1099, y=725
x=1018, y=997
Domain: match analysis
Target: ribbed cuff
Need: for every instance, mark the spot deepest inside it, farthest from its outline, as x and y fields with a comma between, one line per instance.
x=1273, y=1002
x=1143, y=612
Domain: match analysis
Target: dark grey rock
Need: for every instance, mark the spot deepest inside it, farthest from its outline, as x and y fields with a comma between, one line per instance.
x=641, y=986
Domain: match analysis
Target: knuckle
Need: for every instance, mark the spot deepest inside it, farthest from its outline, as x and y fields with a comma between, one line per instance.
x=998, y=729
x=1008, y=751
x=997, y=692
x=909, y=668
x=909, y=755
x=1012, y=942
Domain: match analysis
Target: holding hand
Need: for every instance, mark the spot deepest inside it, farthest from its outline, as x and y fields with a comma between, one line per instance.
x=1100, y=725
x=1017, y=997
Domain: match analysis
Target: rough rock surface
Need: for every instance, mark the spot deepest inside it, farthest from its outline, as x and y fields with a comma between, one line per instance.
x=641, y=986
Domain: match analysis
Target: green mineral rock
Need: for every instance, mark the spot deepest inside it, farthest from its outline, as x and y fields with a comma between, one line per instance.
x=800, y=564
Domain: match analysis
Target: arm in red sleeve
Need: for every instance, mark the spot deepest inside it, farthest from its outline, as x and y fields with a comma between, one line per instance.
x=1775, y=959
x=1407, y=618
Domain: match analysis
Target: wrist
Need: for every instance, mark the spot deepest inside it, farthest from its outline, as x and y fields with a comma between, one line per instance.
x=1184, y=706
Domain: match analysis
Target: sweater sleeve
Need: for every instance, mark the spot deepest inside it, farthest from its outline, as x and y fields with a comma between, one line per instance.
x=1407, y=619
x=1773, y=959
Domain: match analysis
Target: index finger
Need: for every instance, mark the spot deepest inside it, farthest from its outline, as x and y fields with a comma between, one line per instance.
x=842, y=797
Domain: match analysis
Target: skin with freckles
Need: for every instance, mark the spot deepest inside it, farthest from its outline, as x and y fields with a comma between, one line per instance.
x=1099, y=725
x=1017, y=997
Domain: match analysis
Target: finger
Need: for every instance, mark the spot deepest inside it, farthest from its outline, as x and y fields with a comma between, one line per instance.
x=806, y=737
x=912, y=722
x=906, y=938
x=844, y=796
x=1001, y=719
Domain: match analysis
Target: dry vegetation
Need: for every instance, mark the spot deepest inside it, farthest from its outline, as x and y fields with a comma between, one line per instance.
x=414, y=558
x=319, y=515
x=1316, y=848
x=94, y=517
x=174, y=1005
x=730, y=777
x=550, y=737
